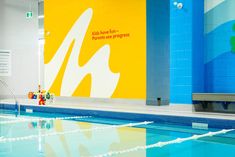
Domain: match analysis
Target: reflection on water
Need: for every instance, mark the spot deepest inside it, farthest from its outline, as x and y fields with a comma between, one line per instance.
x=41, y=124
x=92, y=143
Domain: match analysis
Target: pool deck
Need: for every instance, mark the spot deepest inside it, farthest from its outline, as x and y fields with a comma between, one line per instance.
x=137, y=107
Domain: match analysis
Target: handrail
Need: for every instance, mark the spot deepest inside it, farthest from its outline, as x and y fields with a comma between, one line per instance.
x=12, y=94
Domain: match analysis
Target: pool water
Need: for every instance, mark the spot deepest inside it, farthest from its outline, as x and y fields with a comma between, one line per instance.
x=29, y=136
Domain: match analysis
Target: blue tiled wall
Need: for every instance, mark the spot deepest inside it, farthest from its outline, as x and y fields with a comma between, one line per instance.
x=219, y=58
x=186, y=50
x=198, y=47
x=186, y=67
x=201, y=56
x=181, y=53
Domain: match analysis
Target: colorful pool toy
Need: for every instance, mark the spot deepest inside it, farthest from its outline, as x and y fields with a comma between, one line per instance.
x=41, y=95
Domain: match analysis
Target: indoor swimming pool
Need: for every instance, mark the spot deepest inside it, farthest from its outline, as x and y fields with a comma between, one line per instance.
x=60, y=135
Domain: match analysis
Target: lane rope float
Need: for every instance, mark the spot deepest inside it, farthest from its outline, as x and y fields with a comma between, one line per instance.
x=21, y=120
x=4, y=140
x=162, y=144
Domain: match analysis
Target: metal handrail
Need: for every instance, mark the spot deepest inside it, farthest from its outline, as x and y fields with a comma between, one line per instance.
x=12, y=94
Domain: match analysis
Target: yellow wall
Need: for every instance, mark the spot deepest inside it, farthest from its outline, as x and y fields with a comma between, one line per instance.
x=127, y=54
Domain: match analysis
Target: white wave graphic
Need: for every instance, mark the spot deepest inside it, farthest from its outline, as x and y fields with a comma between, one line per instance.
x=211, y=4
x=222, y=13
x=104, y=82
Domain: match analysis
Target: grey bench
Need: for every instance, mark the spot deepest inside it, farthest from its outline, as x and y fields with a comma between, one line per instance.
x=205, y=98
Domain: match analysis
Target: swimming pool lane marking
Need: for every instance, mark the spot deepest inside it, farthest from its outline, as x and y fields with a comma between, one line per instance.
x=20, y=120
x=4, y=140
x=162, y=144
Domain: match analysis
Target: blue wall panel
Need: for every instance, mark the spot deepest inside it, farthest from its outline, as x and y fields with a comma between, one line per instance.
x=219, y=58
x=201, y=57
x=181, y=52
x=158, y=43
x=198, y=47
x=186, y=50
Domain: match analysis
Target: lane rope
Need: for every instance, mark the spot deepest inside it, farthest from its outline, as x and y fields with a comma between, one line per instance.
x=7, y=117
x=30, y=137
x=162, y=144
x=21, y=120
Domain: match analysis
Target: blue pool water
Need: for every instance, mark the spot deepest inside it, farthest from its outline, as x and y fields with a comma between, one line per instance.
x=79, y=137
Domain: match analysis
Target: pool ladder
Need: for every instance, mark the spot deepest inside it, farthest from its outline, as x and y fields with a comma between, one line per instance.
x=17, y=105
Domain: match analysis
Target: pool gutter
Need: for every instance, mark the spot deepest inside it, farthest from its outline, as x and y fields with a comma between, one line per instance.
x=171, y=119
